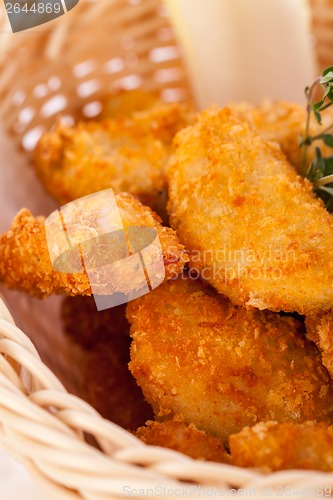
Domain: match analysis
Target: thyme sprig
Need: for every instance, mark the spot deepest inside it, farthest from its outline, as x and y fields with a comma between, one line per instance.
x=320, y=170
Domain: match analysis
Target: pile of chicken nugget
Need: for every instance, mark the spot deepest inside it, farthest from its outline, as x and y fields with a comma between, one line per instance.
x=230, y=359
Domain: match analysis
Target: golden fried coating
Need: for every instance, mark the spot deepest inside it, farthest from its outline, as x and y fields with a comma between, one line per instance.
x=125, y=154
x=184, y=438
x=272, y=446
x=110, y=386
x=25, y=262
x=319, y=329
x=283, y=122
x=221, y=367
x=253, y=227
x=87, y=326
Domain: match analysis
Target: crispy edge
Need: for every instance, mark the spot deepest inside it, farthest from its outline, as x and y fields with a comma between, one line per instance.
x=184, y=438
x=25, y=262
x=273, y=447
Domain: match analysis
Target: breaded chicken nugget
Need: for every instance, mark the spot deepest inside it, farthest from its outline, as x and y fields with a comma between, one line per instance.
x=319, y=329
x=125, y=154
x=253, y=227
x=201, y=359
x=25, y=262
x=111, y=388
x=283, y=122
x=272, y=446
x=184, y=438
x=87, y=326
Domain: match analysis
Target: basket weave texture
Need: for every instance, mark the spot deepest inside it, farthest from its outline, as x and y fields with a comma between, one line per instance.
x=68, y=64
x=104, y=46
x=322, y=23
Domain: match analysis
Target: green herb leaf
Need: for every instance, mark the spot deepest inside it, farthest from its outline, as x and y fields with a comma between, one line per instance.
x=327, y=70
x=317, y=105
x=329, y=93
x=311, y=172
x=328, y=139
x=315, y=108
x=320, y=163
x=320, y=168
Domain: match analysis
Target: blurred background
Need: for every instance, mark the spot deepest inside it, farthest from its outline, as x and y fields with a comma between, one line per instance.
x=211, y=51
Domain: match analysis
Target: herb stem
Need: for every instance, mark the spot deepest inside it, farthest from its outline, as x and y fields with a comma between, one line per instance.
x=319, y=136
x=307, y=128
x=305, y=147
x=324, y=180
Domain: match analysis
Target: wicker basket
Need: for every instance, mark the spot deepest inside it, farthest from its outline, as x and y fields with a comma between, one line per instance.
x=41, y=424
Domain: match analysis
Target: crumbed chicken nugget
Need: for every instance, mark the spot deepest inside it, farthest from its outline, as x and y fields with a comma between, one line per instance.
x=272, y=446
x=319, y=329
x=87, y=326
x=184, y=438
x=111, y=388
x=283, y=122
x=25, y=262
x=125, y=154
x=253, y=227
x=220, y=367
